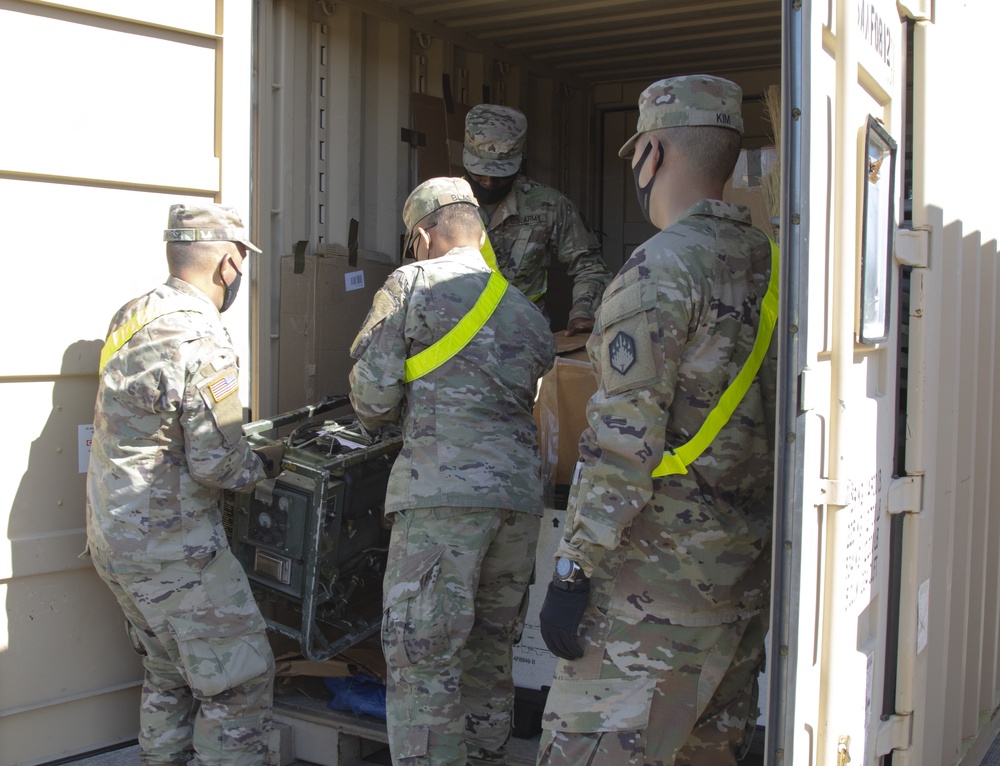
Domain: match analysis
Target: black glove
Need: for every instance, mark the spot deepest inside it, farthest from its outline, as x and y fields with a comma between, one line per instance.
x=270, y=457
x=560, y=618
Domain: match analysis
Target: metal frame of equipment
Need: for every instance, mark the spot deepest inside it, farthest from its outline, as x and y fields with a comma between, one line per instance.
x=309, y=538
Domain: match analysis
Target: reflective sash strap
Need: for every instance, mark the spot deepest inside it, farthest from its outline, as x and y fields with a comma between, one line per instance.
x=676, y=461
x=490, y=256
x=121, y=335
x=459, y=336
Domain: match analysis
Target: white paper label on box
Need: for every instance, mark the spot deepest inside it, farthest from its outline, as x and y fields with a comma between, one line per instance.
x=355, y=280
x=84, y=436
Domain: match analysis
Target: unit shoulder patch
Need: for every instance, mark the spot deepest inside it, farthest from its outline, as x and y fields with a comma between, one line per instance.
x=629, y=360
x=621, y=352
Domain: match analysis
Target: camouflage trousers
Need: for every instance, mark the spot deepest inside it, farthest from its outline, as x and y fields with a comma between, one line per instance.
x=209, y=670
x=454, y=597
x=655, y=695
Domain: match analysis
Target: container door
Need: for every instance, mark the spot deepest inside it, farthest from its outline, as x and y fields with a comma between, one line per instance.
x=841, y=134
x=113, y=110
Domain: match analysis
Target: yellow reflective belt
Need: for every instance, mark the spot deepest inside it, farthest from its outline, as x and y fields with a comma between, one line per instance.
x=121, y=335
x=676, y=461
x=459, y=336
x=490, y=256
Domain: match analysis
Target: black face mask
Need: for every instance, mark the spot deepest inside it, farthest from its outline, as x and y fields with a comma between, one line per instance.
x=643, y=192
x=492, y=195
x=231, y=289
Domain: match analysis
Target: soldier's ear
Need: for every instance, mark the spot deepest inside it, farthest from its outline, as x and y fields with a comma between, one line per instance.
x=423, y=236
x=482, y=238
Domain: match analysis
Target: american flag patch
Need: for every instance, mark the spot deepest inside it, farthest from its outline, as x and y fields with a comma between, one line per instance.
x=224, y=386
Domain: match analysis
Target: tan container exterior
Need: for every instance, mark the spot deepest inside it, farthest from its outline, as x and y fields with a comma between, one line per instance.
x=114, y=110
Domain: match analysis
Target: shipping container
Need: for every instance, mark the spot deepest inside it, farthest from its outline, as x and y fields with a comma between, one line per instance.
x=315, y=118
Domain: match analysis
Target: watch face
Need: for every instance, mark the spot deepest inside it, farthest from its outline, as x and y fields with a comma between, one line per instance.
x=564, y=567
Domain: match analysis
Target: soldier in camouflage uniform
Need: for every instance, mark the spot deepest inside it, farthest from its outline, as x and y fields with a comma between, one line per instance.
x=659, y=602
x=167, y=441
x=529, y=224
x=465, y=492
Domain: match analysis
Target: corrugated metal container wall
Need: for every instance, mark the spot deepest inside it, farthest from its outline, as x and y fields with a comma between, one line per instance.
x=952, y=536
x=113, y=110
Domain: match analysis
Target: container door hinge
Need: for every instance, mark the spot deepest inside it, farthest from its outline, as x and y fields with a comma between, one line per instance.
x=894, y=733
x=833, y=492
x=906, y=494
x=912, y=247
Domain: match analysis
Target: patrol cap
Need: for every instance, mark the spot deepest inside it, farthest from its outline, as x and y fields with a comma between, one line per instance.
x=494, y=140
x=203, y=221
x=697, y=99
x=432, y=195
x=435, y=194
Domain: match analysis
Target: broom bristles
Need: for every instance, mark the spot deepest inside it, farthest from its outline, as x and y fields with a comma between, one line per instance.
x=771, y=181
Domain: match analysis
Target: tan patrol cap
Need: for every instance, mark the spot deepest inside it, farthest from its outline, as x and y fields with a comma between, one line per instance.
x=434, y=194
x=691, y=100
x=204, y=221
x=494, y=140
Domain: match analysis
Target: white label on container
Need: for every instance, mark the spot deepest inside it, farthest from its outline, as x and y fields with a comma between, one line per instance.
x=84, y=436
x=354, y=281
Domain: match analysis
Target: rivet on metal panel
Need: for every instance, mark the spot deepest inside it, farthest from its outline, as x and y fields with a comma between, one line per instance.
x=796, y=113
x=788, y=545
x=779, y=754
x=793, y=329
x=795, y=219
x=790, y=437
x=783, y=650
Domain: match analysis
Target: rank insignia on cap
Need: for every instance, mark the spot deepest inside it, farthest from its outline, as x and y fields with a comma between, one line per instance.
x=224, y=386
x=622, y=352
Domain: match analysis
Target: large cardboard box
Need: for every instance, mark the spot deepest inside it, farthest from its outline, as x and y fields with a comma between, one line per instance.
x=561, y=416
x=322, y=309
x=533, y=663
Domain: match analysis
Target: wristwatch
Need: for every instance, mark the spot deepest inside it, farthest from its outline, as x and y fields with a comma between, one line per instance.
x=569, y=575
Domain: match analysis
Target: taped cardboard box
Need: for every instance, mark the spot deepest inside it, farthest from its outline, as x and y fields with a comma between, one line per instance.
x=561, y=416
x=323, y=304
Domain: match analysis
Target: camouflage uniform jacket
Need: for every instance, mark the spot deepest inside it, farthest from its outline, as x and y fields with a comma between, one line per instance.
x=535, y=223
x=469, y=435
x=676, y=326
x=167, y=433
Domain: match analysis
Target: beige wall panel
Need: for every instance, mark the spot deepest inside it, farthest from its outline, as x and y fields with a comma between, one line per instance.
x=42, y=493
x=191, y=15
x=104, y=102
x=118, y=119
x=91, y=722
x=101, y=248
x=386, y=182
x=65, y=639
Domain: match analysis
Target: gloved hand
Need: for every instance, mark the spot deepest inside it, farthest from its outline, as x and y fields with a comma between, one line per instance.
x=560, y=618
x=270, y=456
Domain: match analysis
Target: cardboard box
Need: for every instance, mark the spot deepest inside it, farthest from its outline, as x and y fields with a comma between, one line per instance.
x=561, y=415
x=322, y=309
x=533, y=663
